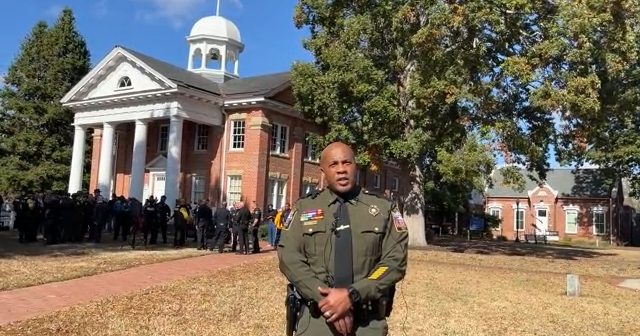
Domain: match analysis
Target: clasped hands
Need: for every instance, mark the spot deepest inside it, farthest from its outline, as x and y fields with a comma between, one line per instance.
x=336, y=309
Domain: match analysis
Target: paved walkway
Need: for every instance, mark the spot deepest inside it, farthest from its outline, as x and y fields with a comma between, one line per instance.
x=24, y=303
x=630, y=284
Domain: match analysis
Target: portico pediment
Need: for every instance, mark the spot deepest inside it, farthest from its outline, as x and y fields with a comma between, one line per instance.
x=157, y=164
x=119, y=74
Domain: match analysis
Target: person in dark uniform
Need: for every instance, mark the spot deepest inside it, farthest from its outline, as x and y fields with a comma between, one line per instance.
x=136, y=219
x=33, y=218
x=52, y=217
x=77, y=221
x=270, y=218
x=150, y=225
x=87, y=217
x=20, y=220
x=118, y=217
x=222, y=219
x=164, y=213
x=256, y=219
x=101, y=215
x=234, y=227
x=66, y=210
x=194, y=219
x=181, y=216
x=205, y=217
x=244, y=221
x=348, y=286
x=110, y=222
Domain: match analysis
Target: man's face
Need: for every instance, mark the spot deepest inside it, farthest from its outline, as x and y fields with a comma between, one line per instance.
x=287, y=207
x=339, y=167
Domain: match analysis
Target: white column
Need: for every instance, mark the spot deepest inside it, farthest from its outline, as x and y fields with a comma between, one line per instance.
x=106, y=160
x=174, y=154
x=77, y=160
x=138, y=161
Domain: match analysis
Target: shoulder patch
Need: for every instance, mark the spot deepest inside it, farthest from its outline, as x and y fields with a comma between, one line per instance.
x=398, y=221
x=289, y=220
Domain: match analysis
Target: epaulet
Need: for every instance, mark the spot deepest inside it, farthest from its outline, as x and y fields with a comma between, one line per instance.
x=312, y=194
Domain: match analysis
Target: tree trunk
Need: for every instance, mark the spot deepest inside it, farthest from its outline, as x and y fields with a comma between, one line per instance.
x=414, y=209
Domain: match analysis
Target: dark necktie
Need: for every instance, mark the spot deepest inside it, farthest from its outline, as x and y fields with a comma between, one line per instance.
x=343, y=258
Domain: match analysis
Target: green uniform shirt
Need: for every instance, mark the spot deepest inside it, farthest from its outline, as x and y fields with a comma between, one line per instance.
x=380, y=242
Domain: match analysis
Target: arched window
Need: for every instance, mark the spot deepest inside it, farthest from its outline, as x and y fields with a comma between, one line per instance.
x=124, y=82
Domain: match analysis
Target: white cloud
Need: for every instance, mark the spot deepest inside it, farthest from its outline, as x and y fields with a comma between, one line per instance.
x=100, y=9
x=236, y=3
x=53, y=11
x=177, y=12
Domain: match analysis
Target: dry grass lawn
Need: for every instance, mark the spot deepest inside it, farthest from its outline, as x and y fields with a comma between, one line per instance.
x=23, y=266
x=444, y=294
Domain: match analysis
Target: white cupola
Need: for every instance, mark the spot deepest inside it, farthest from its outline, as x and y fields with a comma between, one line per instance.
x=214, y=48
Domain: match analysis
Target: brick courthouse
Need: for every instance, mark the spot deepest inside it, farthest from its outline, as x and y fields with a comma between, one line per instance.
x=200, y=132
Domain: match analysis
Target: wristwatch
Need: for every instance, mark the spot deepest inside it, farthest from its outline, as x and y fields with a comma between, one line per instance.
x=354, y=296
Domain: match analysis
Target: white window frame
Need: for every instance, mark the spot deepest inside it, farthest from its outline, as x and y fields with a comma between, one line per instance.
x=124, y=83
x=311, y=152
x=194, y=192
x=493, y=207
x=599, y=210
x=376, y=180
x=202, y=133
x=234, y=188
x=277, y=191
x=236, y=126
x=160, y=128
x=277, y=146
x=308, y=187
x=492, y=212
x=515, y=218
x=571, y=209
x=395, y=183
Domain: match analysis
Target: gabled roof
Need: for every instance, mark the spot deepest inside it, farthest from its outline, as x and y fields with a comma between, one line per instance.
x=248, y=87
x=568, y=182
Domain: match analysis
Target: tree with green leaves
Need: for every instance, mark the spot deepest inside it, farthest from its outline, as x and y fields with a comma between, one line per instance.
x=592, y=84
x=413, y=81
x=36, y=135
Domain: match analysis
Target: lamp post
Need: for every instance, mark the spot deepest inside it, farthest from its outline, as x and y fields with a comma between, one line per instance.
x=517, y=220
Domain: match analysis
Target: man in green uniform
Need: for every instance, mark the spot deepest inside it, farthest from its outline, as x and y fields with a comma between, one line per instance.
x=343, y=249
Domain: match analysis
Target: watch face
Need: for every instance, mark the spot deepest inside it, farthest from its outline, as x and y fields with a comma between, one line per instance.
x=354, y=295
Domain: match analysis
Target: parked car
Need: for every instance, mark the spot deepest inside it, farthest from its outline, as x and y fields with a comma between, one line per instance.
x=7, y=217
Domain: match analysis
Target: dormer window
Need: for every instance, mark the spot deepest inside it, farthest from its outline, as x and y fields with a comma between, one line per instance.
x=124, y=82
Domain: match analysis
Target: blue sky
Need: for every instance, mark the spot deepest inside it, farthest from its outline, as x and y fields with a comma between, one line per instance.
x=159, y=27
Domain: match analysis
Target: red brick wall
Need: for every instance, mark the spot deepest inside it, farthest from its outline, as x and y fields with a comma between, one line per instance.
x=95, y=159
x=557, y=214
x=254, y=163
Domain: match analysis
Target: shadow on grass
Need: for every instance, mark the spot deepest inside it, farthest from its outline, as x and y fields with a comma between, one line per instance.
x=490, y=247
x=10, y=248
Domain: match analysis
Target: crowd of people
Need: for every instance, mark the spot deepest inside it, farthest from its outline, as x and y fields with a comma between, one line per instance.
x=82, y=217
